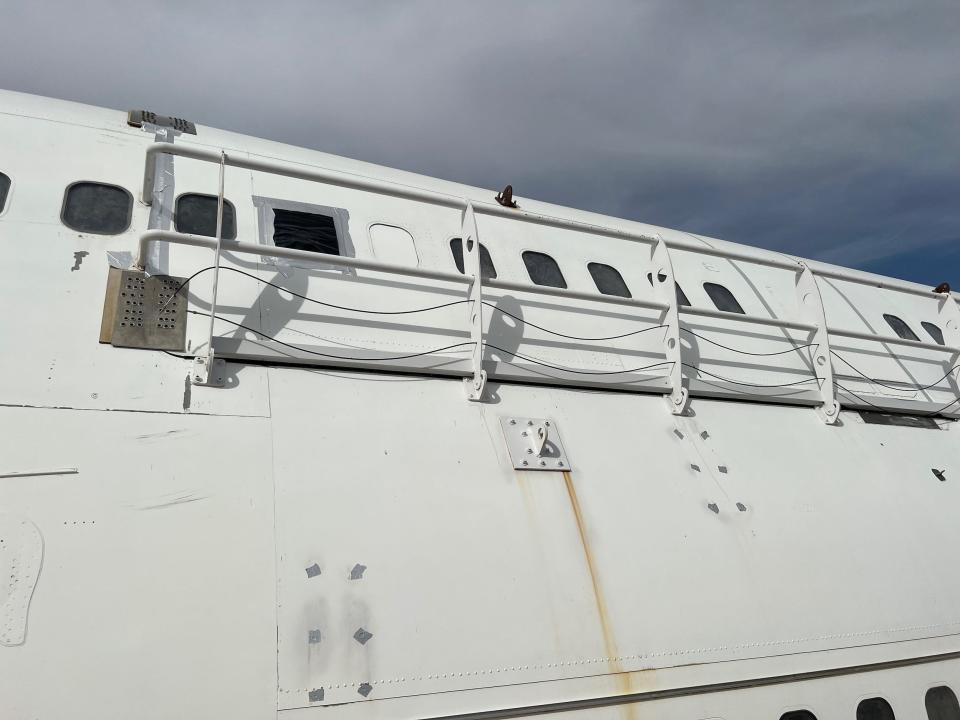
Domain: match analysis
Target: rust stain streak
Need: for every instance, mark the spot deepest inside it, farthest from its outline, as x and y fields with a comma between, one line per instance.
x=623, y=679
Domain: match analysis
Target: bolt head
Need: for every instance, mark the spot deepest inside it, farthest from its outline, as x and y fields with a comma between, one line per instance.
x=543, y=463
x=559, y=463
x=530, y=422
x=529, y=451
x=525, y=463
x=513, y=422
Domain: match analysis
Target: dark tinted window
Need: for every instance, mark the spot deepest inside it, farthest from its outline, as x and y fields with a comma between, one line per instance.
x=933, y=331
x=197, y=215
x=874, y=709
x=487, y=270
x=305, y=231
x=97, y=208
x=900, y=327
x=724, y=300
x=798, y=715
x=682, y=297
x=608, y=280
x=4, y=189
x=543, y=270
x=942, y=704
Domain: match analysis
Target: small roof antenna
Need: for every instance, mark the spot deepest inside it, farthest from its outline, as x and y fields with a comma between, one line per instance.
x=505, y=197
x=942, y=288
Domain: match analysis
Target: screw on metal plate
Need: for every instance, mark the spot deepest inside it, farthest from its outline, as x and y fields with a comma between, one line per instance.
x=534, y=444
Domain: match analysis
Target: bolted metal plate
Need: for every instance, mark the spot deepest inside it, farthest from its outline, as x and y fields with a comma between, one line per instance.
x=147, y=313
x=529, y=450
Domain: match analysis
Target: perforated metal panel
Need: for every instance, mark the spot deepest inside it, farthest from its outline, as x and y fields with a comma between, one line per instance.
x=150, y=313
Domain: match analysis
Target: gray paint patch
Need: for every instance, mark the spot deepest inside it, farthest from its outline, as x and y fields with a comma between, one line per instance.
x=361, y=636
x=722, y=468
x=678, y=434
x=741, y=507
x=77, y=259
x=187, y=390
x=313, y=570
x=315, y=695
x=365, y=689
x=695, y=468
x=704, y=434
x=713, y=506
x=314, y=637
x=357, y=572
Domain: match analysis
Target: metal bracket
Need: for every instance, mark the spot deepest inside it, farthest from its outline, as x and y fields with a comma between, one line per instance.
x=471, y=266
x=208, y=370
x=534, y=444
x=665, y=290
x=811, y=306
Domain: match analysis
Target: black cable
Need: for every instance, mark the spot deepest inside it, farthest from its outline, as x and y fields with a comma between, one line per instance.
x=884, y=409
x=894, y=387
x=408, y=312
x=744, y=352
x=327, y=355
x=569, y=337
x=737, y=382
x=571, y=370
x=428, y=352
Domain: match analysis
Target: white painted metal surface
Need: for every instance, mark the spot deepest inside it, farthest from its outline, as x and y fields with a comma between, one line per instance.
x=329, y=528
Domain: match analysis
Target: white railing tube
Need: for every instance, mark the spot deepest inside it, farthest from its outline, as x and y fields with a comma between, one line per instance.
x=892, y=340
x=752, y=319
x=248, y=248
x=574, y=294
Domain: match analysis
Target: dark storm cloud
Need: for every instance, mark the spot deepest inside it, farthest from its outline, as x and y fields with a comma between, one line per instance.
x=825, y=129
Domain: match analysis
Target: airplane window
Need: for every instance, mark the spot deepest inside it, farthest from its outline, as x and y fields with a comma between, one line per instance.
x=608, y=280
x=900, y=327
x=682, y=296
x=722, y=298
x=305, y=231
x=875, y=709
x=487, y=269
x=798, y=715
x=942, y=704
x=543, y=270
x=97, y=208
x=197, y=214
x=4, y=189
x=933, y=331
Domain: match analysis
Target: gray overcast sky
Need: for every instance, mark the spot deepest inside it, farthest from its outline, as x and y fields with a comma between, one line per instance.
x=826, y=129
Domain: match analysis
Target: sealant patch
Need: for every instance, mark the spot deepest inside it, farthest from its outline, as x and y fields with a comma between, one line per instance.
x=365, y=689
x=313, y=570
x=357, y=572
x=21, y=555
x=361, y=636
x=315, y=695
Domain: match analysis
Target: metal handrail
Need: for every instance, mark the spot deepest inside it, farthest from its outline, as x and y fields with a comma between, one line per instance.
x=357, y=182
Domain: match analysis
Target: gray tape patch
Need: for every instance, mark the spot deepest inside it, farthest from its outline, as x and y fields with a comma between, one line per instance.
x=315, y=695
x=313, y=570
x=314, y=637
x=365, y=689
x=361, y=636
x=357, y=572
